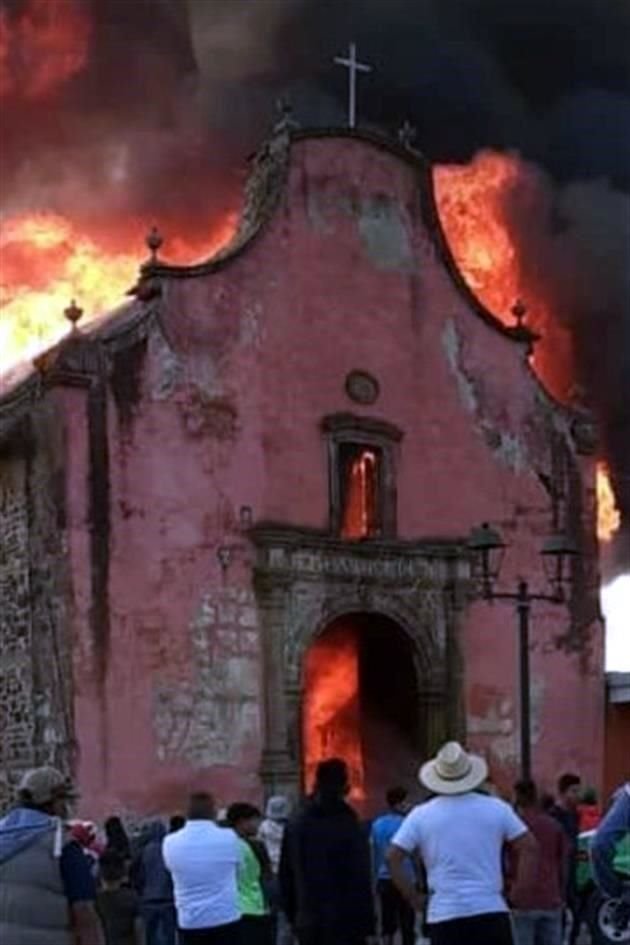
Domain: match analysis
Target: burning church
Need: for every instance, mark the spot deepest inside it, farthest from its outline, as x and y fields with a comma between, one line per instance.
x=235, y=510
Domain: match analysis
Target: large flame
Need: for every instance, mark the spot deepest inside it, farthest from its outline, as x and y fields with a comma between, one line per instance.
x=608, y=515
x=484, y=206
x=41, y=47
x=47, y=261
x=471, y=203
x=331, y=706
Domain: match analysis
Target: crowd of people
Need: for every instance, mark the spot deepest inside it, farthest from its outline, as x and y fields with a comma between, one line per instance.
x=464, y=865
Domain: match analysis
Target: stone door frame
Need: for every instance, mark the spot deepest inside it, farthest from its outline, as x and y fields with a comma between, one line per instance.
x=305, y=579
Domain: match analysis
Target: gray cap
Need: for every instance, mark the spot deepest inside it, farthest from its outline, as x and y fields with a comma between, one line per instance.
x=43, y=785
x=278, y=807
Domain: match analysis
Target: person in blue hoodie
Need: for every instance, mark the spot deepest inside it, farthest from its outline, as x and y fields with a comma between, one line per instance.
x=153, y=882
x=614, y=827
x=47, y=891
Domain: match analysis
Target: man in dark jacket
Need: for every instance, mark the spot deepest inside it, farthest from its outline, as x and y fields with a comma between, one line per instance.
x=324, y=874
x=154, y=885
x=47, y=891
x=565, y=811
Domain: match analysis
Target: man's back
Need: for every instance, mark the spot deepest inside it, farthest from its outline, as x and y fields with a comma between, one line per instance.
x=460, y=839
x=548, y=890
x=202, y=859
x=325, y=870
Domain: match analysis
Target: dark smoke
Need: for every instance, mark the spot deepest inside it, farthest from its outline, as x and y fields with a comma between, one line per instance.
x=126, y=138
x=175, y=94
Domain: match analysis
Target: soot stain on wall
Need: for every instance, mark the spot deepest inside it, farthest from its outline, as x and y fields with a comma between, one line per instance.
x=99, y=523
x=126, y=380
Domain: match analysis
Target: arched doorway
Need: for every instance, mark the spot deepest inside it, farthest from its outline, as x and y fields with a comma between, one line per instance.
x=361, y=702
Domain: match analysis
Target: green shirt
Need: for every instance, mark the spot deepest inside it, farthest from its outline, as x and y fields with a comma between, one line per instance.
x=250, y=895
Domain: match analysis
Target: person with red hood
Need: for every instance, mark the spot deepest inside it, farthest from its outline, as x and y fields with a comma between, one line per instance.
x=85, y=834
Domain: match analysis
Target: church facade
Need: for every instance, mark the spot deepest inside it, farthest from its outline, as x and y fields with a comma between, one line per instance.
x=235, y=512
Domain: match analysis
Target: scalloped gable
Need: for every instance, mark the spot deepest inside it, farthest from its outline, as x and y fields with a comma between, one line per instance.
x=266, y=185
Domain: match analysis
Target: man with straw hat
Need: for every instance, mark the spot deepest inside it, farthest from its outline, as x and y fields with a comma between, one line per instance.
x=460, y=835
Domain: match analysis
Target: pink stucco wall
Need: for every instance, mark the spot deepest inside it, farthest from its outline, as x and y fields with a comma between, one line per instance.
x=227, y=414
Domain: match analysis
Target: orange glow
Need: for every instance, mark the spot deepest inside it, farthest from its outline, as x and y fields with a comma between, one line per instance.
x=359, y=514
x=471, y=203
x=42, y=47
x=331, y=706
x=485, y=207
x=47, y=261
x=608, y=515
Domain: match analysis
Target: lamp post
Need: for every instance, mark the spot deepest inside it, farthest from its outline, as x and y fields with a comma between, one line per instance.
x=557, y=551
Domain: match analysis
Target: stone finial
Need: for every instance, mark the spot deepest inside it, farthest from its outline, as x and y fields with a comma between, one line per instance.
x=407, y=134
x=521, y=332
x=73, y=314
x=286, y=121
x=519, y=311
x=154, y=241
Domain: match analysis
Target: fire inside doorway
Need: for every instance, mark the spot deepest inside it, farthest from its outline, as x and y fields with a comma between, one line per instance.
x=361, y=704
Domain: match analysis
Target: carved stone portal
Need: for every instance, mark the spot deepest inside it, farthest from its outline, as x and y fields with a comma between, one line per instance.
x=304, y=580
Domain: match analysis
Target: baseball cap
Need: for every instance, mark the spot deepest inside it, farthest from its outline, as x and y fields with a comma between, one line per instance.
x=46, y=784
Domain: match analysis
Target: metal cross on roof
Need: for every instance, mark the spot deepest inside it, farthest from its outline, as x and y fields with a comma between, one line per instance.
x=353, y=66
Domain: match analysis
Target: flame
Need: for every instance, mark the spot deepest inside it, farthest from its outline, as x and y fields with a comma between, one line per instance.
x=484, y=207
x=47, y=260
x=359, y=516
x=331, y=706
x=42, y=47
x=608, y=515
x=471, y=204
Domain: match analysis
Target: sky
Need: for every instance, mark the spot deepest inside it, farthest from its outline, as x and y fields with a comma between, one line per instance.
x=616, y=608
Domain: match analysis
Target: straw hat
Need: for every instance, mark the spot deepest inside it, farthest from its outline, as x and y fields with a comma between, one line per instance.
x=453, y=771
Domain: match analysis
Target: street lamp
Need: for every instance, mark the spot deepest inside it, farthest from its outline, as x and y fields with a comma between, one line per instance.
x=557, y=552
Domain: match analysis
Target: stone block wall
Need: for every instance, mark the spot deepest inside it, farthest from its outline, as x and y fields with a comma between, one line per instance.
x=35, y=683
x=17, y=723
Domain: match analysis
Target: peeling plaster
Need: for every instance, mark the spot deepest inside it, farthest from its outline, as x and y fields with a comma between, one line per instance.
x=451, y=345
x=166, y=369
x=384, y=234
x=214, y=718
x=507, y=447
x=250, y=324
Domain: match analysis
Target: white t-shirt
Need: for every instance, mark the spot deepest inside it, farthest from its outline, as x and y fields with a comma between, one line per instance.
x=460, y=840
x=203, y=859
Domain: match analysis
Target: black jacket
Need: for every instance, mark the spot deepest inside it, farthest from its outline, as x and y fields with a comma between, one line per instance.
x=324, y=874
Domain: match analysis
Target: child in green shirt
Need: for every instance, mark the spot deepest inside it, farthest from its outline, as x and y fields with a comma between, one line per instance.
x=253, y=873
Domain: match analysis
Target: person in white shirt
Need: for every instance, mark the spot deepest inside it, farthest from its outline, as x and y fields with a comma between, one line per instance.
x=460, y=835
x=203, y=860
